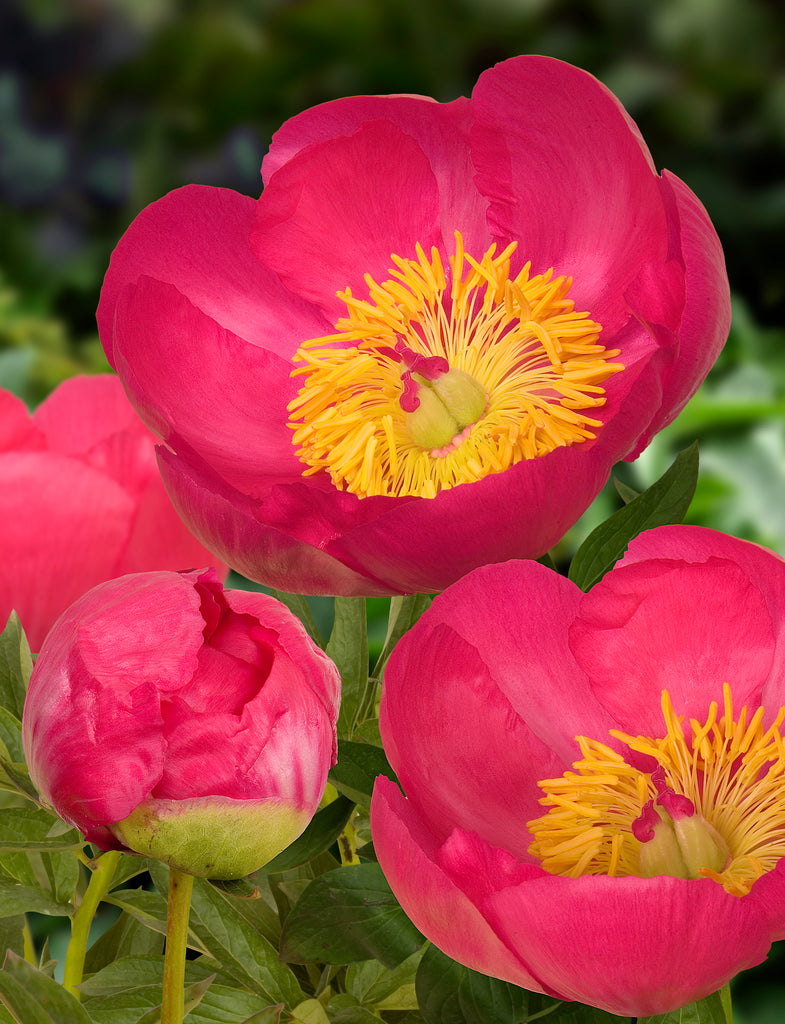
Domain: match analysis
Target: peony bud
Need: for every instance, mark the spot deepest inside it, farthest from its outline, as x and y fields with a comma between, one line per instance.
x=174, y=719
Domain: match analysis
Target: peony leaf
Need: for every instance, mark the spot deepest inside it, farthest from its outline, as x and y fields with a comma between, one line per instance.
x=714, y=1009
x=348, y=648
x=124, y=939
x=32, y=828
x=665, y=502
x=36, y=999
x=449, y=993
x=322, y=831
x=358, y=766
x=16, y=664
x=346, y=915
x=404, y=612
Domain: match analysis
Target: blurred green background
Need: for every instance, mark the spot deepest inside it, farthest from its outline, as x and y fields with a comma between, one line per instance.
x=107, y=104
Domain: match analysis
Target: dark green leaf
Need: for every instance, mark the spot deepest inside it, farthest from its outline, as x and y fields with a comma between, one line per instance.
x=16, y=898
x=45, y=999
x=12, y=934
x=358, y=766
x=242, y=951
x=11, y=737
x=449, y=993
x=192, y=996
x=378, y=987
x=404, y=612
x=346, y=915
x=324, y=828
x=62, y=871
x=149, y=908
x=348, y=648
x=665, y=502
x=712, y=1010
x=16, y=664
x=19, y=777
x=32, y=828
x=237, y=888
x=127, y=937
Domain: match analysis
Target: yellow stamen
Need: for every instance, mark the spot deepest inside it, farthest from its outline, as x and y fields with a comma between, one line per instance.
x=732, y=771
x=517, y=340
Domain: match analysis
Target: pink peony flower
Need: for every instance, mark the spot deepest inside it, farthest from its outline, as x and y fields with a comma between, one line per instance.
x=169, y=717
x=594, y=789
x=425, y=345
x=81, y=501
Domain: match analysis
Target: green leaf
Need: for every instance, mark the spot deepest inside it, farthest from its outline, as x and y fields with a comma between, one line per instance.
x=714, y=1009
x=346, y=915
x=375, y=986
x=127, y=937
x=449, y=993
x=192, y=996
x=12, y=934
x=16, y=898
x=62, y=871
x=16, y=664
x=323, y=830
x=19, y=777
x=665, y=502
x=11, y=737
x=358, y=766
x=32, y=828
x=348, y=648
x=245, y=954
x=404, y=612
x=147, y=907
x=45, y=1000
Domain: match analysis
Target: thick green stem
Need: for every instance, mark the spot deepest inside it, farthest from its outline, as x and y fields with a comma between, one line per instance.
x=97, y=888
x=177, y=914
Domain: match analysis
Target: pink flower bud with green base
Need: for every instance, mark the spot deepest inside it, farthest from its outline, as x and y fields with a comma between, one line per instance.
x=174, y=719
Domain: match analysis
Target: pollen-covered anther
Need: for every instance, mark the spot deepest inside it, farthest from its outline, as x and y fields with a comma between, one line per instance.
x=442, y=376
x=714, y=807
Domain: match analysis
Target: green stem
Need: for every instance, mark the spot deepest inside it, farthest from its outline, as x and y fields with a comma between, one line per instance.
x=177, y=913
x=97, y=888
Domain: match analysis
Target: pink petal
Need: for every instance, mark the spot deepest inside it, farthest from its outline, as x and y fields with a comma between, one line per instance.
x=461, y=752
x=64, y=526
x=666, y=625
x=226, y=522
x=440, y=129
x=704, y=317
x=233, y=409
x=196, y=239
x=632, y=946
x=338, y=210
x=94, y=751
x=568, y=175
x=768, y=894
x=765, y=570
x=17, y=432
x=408, y=852
x=82, y=412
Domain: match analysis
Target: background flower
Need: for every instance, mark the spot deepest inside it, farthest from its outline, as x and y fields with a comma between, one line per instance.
x=212, y=288
x=175, y=719
x=484, y=699
x=81, y=501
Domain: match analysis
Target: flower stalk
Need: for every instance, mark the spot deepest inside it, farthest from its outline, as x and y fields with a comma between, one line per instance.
x=177, y=914
x=97, y=888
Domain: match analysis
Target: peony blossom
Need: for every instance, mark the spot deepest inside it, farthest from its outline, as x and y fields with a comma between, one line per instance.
x=174, y=719
x=594, y=800
x=81, y=501
x=425, y=345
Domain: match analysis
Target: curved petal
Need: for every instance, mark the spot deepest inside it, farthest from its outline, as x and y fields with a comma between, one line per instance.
x=64, y=526
x=407, y=852
x=765, y=570
x=84, y=411
x=226, y=522
x=705, y=312
x=440, y=129
x=664, y=625
x=338, y=210
x=568, y=175
x=17, y=431
x=233, y=406
x=768, y=894
x=461, y=752
x=633, y=946
x=196, y=239
x=80, y=737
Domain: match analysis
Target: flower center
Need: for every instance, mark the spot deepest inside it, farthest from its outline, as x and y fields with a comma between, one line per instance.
x=441, y=377
x=714, y=807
